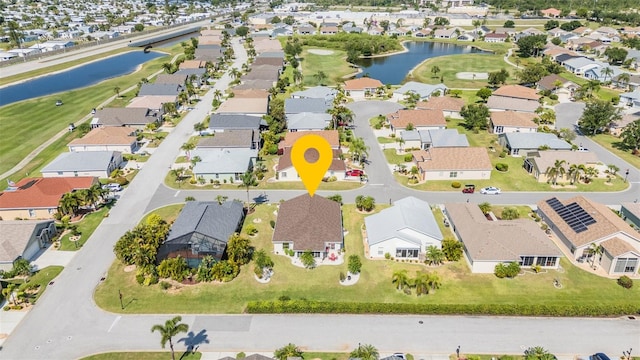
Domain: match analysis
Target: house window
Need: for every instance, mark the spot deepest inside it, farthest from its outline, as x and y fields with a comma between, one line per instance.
x=52, y=211
x=453, y=174
x=499, y=129
x=75, y=173
x=626, y=265
x=60, y=173
x=546, y=260
x=526, y=260
x=380, y=251
x=285, y=246
x=283, y=174
x=407, y=253
x=515, y=151
x=32, y=213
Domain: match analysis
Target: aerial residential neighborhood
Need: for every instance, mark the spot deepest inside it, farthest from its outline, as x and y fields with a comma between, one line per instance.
x=481, y=190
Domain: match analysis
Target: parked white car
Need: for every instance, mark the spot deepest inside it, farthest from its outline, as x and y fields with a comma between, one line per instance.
x=490, y=190
x=112, y=187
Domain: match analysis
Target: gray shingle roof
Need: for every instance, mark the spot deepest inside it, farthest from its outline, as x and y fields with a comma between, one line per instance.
x=535, y=140
x=255, y=84
x=408, y=213
x=424, y=90
x=229, y=139
x=579, y=62
x=159, y=89
x=125, y=116
x=223, y=122
x=308, y=121
x=199, y=72
x=317, y=92
x=15, y=236
x=437, y=138
x=223, y=160
x=208, y=218
x=82, y=161
x=505, y=103
x=296, y=106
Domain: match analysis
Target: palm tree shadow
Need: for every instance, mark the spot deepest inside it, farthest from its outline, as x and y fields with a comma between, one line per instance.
x=192, y=341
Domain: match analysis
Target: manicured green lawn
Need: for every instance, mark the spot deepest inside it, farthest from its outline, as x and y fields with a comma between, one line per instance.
x=325, y=356
x=28, y=123
x=459, y=286
x=497, y=48
x=614, y=144
x=604, y=93
x=450, y=65
x=42, y=278
x=393, y=157
x=155, y=355
x=86, y=227
x=334, y=66
x=386, y=140
x=169, y=213
x=515, y=179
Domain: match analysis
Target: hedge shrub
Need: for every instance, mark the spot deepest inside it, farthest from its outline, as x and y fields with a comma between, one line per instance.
x=502, y=167
x=306, y=306
x=456, y=184
x=625, y=282
x=408, y=158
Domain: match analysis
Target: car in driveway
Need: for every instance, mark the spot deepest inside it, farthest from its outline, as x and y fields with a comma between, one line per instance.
x=599, y=356
x=354, y=172
x=399, y=355
x=112, y=187
x=490, y=190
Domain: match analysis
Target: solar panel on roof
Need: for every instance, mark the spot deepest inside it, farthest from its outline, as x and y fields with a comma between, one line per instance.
x=573, y=214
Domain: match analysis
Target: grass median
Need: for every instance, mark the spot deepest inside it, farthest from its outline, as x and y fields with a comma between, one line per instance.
x=459, y=286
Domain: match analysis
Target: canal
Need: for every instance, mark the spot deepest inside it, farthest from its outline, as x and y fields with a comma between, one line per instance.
x=79, y=77
x=393, y=69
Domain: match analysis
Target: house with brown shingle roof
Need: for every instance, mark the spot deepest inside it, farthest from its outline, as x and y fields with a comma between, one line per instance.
x=176, y=79
x=551, y=12
x=420, y=119
x=309, y=223
x=287, y=172
x=152, y=102
x=449, y=106
x=512, y=121
x=357, y=88
x=109, y=138
x=537, y=162
x=517, y=92
x=332, y=137
x=137, y=118
x=581, y=223
x=38, y=198
x=249, y=106
x=550, y=82
x=192, y=64
x=487, y=243
x=453, y=163
x=23, y=239
x=514, y=97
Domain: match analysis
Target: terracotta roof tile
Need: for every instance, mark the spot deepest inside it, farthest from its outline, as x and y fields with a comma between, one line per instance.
x=34, y=193
x=401, y=118
x=517, y=91
x=309, y=223
x=513, y=118
x=452, y=159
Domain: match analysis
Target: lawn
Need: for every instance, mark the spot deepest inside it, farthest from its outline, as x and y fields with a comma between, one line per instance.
x=450, y=65
x=150, y=355
x=515, y=179
x=28, y=123
x=86, y=227
x=497, y=48
x=604, y=93
x=334, y=66
x=459, y=286
x=614, y=144
x=42, y=278
x=386, y=140
x=169, y=213
x=393, y=157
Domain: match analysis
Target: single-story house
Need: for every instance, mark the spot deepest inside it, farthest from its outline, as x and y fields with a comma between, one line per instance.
x=265, y=60
x=332, y=137
x=309, y=223
x=307, y=121
x=517, y=92
x=632, y=84
x=404, y=230
x=424, y=139
x=579, y=65
x=445, y=33
x=254, y=84
x=537, y=162
x=224, y=122
x=488, y=243
x=38, y=198
x=423, y=90
x=137, y=118
x=160, y=89
x=631, y=99
x=223, y=164
x=496, y=38
x=316, y=92
x=152, y=103
x=630, y=212
x=251, y=94
x=580, y=223
x=309, y=105
x=111, y=138
x=248, y=106
x=83, y=163
x=192, y=64
x=551, y=12
x=173, y=79
x=616, y=128
x=287, y=172
x=449, y=106
x=599, y=72
x=420, y=119
x=550, y=83
x=514, y=97
x=501, y=122
x=518, y=144
x=357, y=88
x=453, y=163
x=243, y=139
x=269, y=73
x=202, y=229
x=23, y=239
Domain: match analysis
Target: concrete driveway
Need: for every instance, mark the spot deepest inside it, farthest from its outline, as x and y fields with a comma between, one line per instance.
x=567, y=114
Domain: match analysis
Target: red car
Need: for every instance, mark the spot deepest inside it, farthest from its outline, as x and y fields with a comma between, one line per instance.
x=355, y=172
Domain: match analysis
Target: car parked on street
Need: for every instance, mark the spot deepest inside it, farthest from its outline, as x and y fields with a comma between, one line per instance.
x=112, y=187
x=355, y=172
x=490, y=190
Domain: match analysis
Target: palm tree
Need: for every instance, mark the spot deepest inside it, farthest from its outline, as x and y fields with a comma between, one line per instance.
x=358, y=148
x=426, y=22
x=199, y=126
x=590, y=173
x=288, y=351
x=221, y=199
x=574, y=172
x=297, y=76
x=400, y=142
x=537, y=353
x=434, y=255
x=177, y=173
x=217, y=94
x=235, y=73
x=320, y=76
x=613, y=169
x=624, y=78
x=69, y=203
x=93, y=194
x=595, y=250
x=340, y=116
x=169, y=108
x=117, y=91
x=607, y=71
x=365, y=352
x=421, y=283
x=401, y=278
x=247, y=180
x=553, y=172
x=187, y=147
x=170, y=329
x=168, y=67
x=434, y=281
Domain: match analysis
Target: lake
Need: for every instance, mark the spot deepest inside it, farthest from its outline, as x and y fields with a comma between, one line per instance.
x=79, y=77
x=393, y=69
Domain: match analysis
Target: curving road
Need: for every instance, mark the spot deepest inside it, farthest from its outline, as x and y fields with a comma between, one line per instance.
x=66, y=323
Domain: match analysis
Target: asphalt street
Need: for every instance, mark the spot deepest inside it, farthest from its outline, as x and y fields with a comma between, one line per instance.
x=66, y=323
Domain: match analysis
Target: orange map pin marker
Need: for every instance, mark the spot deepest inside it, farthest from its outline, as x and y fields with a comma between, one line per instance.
x=313, y=166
